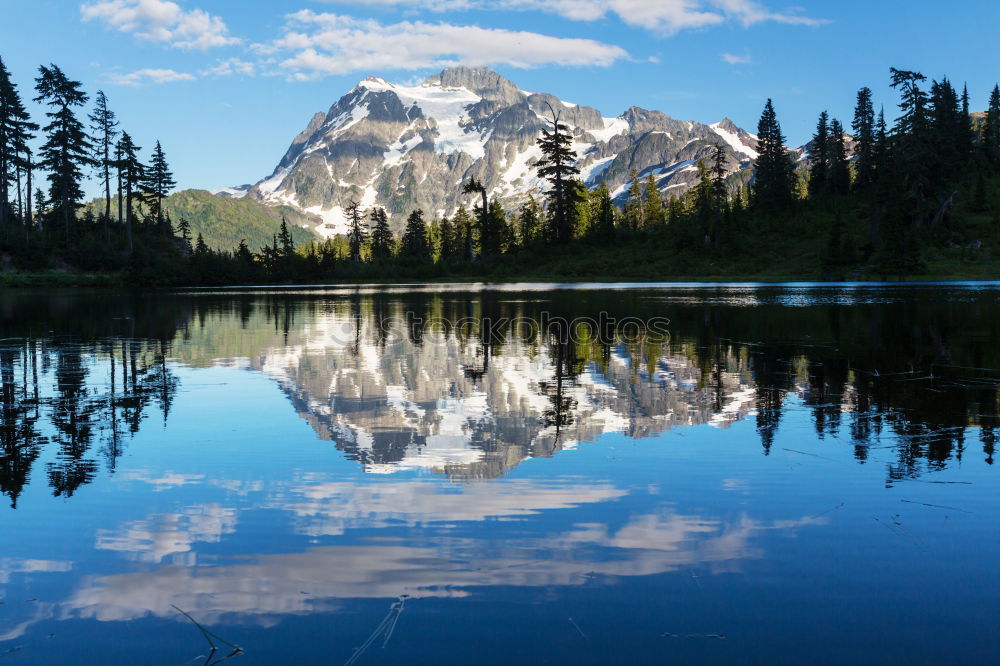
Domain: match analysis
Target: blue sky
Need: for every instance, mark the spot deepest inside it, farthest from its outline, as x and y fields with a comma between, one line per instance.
x=226, y=84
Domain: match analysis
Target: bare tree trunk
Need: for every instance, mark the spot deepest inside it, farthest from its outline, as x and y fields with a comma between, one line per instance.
x=28, y=221
x=3, y=187
x=128, y=216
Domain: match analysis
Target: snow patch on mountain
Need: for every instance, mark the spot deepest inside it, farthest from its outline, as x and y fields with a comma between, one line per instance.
x=734, y=141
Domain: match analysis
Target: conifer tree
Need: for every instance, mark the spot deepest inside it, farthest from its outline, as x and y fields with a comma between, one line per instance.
x=464, y=229
x=16, y=130
x=530, y=222
x=449, y=248
x=819, y=157
x=773, y=187
x=558, y=166
x=652, y=211
x=131, y=174
x=840, y=170
x=492, y=230
x=720, y=191
x=991, y=130
x=486, y=232
x=603, y=226
x=158, y=182
x=703, y=196
x=184, y=229
x=911, y=148
x=381, y=240
x=357, y=230
x=414, y=244
x=633, y=204
x=581, y=219
x=285, y=245
x=881, y=160
x=966, y=143
x=864, y=137
x=949, y=131
x=104, y=129
x=67, y=148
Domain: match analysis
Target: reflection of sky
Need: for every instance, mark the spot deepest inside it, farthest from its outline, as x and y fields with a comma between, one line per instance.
x=263, y=521
x=235, y=511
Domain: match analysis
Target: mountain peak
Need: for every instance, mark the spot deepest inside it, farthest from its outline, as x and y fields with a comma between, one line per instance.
x=481, y=80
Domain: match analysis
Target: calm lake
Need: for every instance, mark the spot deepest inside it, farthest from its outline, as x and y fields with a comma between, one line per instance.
x=521, y=474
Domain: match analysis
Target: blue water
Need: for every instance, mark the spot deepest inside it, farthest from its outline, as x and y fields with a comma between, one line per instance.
x=792, y=474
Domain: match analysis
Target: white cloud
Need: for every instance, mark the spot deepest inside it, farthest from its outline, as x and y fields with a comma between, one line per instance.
x=161, y=21
x=231, y=67
x=318, y=44
x=733, y=59
x=661, y=16
x=143, y=76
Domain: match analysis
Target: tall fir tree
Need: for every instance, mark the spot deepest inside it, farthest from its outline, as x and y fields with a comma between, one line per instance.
x=911, y=147
x=67, y=149
x=633, y=204
x=381, y=238
x=863, y=126
x=530, y=223
x=414, y=242
x=720, y=191
x=558, y=166
x=772, y=189
x=465, y=230
x=449, y=243
x=967, y=143
x=603, y=226
x=881, y=157
x=819, y=157
x=16, y=130
x=652, y=210
x=991, y=130
x=132, y=173
x=184, y=231
x=840, y=168
x=948, y=131
x=158, y=182
x=285, y=244
x=357, y=230
x=104, y=130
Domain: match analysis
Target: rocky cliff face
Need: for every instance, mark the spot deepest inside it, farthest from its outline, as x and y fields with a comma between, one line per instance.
x=407, y=147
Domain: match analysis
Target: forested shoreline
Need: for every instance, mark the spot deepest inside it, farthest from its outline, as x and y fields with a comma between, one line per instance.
x=919, y=198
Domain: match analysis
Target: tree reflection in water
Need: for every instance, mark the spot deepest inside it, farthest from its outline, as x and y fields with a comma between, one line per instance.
x=471, y=383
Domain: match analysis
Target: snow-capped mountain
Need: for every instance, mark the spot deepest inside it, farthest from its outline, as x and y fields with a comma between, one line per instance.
x=406, y=147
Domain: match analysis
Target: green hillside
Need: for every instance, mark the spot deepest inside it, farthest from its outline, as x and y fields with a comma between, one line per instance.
x=225, y=221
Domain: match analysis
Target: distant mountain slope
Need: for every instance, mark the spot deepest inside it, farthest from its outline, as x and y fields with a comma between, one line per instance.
x=406, y=147
x=224, y=221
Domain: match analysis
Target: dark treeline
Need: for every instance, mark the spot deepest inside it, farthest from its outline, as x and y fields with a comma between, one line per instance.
x=880, y=201
x=904, y=375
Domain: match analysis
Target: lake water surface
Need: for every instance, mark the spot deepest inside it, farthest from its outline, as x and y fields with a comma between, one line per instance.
x=527, y=474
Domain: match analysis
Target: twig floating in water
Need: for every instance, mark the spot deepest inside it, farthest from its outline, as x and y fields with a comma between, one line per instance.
x=935, y=506
x=573, y=622
x=718, y=637
x=213, y=648
x=810, y=454
x=385, y=628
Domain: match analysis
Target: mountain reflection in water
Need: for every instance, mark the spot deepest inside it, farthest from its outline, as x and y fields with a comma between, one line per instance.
x=431, y=403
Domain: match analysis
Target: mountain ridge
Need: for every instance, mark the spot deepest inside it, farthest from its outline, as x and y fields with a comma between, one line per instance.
x=404, y=147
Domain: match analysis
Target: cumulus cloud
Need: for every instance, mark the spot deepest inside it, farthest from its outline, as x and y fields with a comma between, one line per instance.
x=319, y=44
x=231, y=67
x=661, y=16
x=143, y=76
x=161, y=21
x=733, y=59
